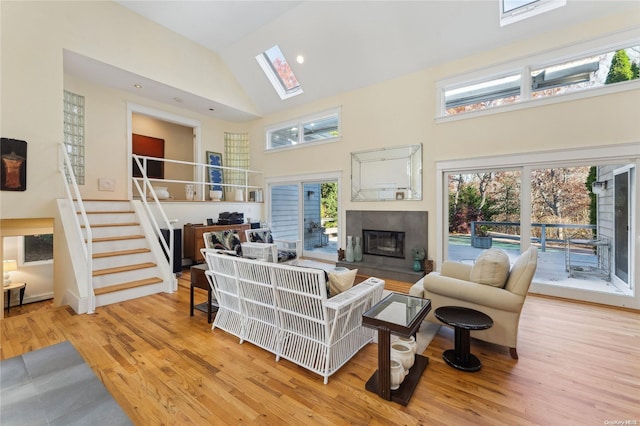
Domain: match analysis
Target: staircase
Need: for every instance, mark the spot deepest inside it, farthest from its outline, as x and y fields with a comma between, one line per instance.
x=123, y=263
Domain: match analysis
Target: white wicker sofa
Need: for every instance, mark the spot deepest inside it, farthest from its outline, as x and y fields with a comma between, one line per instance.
x=285, y=310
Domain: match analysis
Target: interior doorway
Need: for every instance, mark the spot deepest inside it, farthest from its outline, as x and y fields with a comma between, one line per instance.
x=182, y=142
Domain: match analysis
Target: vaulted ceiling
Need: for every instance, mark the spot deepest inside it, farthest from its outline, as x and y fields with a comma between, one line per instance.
x=350, y=44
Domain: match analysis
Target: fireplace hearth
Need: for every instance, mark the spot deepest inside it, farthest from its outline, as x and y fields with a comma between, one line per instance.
x=387, y=240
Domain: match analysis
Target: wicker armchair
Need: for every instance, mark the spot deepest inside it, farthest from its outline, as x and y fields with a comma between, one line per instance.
x=278, y=251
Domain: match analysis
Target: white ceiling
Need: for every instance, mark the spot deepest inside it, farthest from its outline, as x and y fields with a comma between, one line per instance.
x=346, y=44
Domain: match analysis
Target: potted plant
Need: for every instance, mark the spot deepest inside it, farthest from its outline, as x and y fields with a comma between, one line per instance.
x=481, y=239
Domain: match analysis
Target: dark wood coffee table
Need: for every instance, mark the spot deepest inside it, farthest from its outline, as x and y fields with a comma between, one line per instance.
x=463, y=320
x=399, y=314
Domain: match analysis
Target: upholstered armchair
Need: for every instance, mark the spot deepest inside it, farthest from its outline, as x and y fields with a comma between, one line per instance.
x=278, y=251
x=488, y=286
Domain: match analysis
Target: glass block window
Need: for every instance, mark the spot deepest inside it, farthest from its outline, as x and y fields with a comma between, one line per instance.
x=236, y=154
x=74, y=133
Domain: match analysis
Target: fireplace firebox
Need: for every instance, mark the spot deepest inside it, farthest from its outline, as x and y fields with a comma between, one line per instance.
x=383, y=243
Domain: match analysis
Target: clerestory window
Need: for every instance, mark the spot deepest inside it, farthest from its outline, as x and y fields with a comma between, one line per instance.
x=530, y=82
x=320, y=127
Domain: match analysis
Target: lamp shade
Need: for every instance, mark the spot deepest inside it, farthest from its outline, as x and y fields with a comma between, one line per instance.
x=9, y=265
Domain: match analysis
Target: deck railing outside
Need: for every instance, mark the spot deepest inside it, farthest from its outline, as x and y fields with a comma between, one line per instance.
x=543, y=239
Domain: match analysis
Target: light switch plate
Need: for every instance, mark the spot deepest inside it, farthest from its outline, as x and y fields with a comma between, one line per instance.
x=106, y=184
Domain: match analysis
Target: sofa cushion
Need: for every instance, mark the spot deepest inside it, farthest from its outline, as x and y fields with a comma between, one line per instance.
x=261, y=237
x=226, y=240
x=341, y=281
x=286, y=255
x=491, y=268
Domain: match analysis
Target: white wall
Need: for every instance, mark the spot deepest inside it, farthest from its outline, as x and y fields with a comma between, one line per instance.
x=39, y=277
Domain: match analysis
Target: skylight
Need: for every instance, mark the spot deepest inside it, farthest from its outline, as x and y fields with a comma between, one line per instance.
x=516, y=10
x=279, y=73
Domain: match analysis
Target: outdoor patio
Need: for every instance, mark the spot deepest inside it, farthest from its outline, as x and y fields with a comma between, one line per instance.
x=551, y=263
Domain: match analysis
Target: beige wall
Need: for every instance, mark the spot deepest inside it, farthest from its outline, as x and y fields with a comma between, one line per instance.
x=33, y=36
x=402, y=111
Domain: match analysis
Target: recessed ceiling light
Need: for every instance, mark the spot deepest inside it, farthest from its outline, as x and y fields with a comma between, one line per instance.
x=137, y=86
x=300, y=59
x=177, y=100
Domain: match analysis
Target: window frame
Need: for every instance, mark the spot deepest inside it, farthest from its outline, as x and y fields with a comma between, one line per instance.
x=274, y=77
x=524, y=67
x=528, y=10
x=299, y=123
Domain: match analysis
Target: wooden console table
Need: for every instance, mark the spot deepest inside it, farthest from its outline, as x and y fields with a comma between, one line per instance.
x=193, y=240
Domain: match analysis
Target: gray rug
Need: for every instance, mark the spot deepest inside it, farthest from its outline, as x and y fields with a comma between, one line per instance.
x=54, y=386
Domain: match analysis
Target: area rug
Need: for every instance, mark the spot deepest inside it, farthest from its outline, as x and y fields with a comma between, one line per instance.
x=425, y=335
x=54, y=386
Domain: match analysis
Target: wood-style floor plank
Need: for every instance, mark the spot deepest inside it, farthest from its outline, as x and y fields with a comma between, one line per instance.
x=579, y=364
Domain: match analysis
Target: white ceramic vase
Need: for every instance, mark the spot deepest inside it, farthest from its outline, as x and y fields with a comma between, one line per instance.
x=402, y=352
x=410, y=341
x=189, y=191
x=397, y=374
x=215, y=195
x=349, y=256
x=162, y=192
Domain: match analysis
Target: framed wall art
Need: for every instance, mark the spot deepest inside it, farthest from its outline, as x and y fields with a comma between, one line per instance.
x=215, y=173
x=13, y=153
x=149, y=147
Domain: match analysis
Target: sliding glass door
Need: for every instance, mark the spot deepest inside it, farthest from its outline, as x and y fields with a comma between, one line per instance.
x=578, y=216
x=307, y=211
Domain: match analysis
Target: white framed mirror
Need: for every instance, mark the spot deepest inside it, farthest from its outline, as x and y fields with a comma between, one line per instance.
x=388, y=174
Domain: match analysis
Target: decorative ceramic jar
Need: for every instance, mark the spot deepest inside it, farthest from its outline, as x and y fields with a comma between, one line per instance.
x=162, y=192
x=397, y=374
x=410, y=341
x=349, y=256
x=402, y=352
x=215, y=195
x=357, y=251
x=189, y=191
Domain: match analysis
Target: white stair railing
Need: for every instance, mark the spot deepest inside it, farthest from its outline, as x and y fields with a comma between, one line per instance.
x=142, y=191
x=71, y=189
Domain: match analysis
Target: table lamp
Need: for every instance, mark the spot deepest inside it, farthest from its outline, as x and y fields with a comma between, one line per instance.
x=8, y=266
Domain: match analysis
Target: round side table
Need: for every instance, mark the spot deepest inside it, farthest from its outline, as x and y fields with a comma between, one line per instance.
x=463, y=320
x=14, y=286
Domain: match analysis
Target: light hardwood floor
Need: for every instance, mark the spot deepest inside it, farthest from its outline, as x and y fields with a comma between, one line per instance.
x=579, y=365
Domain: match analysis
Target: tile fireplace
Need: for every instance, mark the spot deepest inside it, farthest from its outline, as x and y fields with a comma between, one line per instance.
x=387, y=240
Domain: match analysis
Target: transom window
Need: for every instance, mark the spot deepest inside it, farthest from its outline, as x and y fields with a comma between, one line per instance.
x=530, y=82
x=321, y=127
x=279, y=73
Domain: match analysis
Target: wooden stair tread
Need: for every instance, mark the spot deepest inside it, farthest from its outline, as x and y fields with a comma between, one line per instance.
x=109, y=225
x=124, y=268
x=118, y=238
x=126, y=286
x=109, y=212
x=120, y=253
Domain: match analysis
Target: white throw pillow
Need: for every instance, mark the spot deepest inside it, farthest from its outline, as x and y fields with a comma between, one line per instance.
x=341, y=281
x=491, y=268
